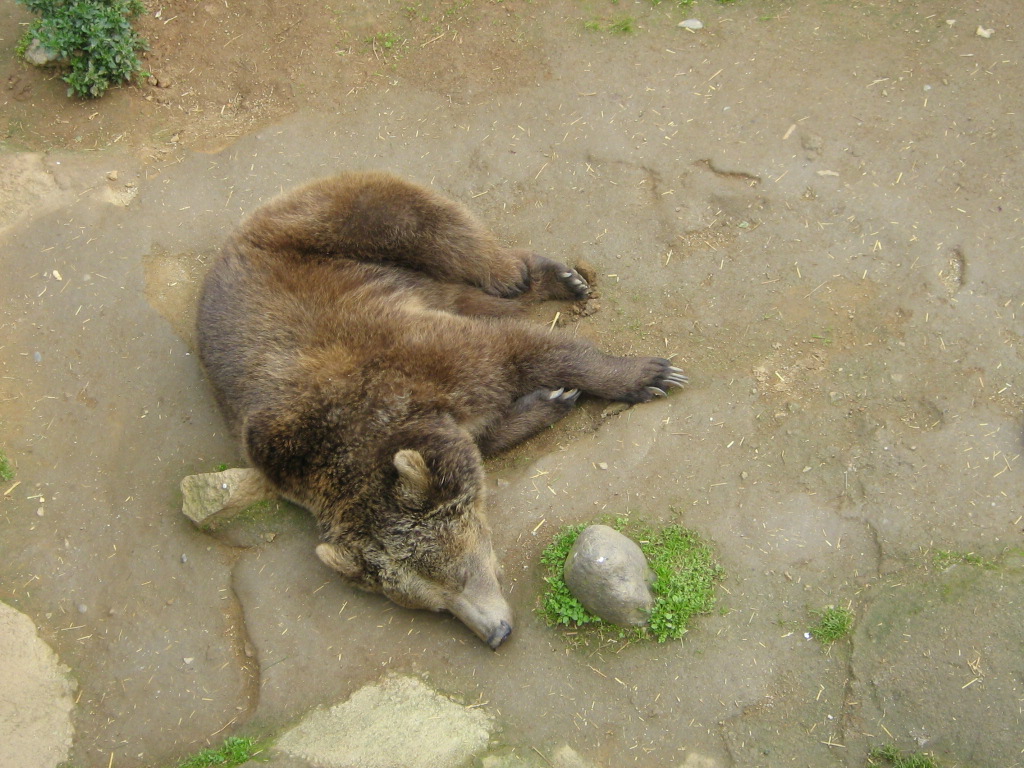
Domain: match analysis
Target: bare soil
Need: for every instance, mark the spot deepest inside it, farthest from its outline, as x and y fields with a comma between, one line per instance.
x=815, y=207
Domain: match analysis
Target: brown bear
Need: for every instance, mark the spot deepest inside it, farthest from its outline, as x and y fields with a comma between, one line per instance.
x=361, y=336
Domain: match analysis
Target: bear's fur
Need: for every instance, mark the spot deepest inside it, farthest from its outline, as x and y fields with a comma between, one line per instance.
x=361, y=338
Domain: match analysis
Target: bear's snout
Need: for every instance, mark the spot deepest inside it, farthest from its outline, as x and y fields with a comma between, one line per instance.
x=499, y=635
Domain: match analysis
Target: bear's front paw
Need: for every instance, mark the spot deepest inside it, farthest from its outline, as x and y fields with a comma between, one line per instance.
x=656, y=377
x=550, y=279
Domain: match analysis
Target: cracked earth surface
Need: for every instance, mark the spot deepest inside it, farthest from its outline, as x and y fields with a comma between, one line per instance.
x=815, y=208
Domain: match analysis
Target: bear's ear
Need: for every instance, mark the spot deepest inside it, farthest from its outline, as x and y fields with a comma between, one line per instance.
x=413, y=473
x=340, y=559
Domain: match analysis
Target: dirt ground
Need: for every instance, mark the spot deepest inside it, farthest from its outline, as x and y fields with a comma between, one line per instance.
x=816, y=207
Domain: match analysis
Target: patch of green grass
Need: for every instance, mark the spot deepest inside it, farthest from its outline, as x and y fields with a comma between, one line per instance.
x=558, y=605
x=833, y=624
x=233, y=752
x=945, y=558
x=892, y=756
x=623, y=26
x=6, y=470
x=685, y=577
x=94, y=39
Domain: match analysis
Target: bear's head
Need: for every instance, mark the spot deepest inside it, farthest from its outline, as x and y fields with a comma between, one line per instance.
x=424, y=542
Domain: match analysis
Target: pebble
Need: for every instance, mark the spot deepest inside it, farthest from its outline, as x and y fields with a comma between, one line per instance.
x=39, y=55
x=184, y=558
x=82, y=608
x=37, y=356
x=693, y=24
x=602, y=465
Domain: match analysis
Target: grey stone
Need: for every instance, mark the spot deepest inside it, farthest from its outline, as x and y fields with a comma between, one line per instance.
x=608, y=573
x=216, y=496
x=39, y=55
x=399, y=723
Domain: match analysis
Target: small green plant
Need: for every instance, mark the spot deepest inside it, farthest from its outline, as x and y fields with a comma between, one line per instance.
x=833, y=624
x=94, y=39
x=888, y=754
x=233, y=752
x=6, y=471
x=386, y=41
x=685, y=578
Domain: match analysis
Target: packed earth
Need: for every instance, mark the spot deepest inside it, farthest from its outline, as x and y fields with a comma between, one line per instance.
x=813, y=207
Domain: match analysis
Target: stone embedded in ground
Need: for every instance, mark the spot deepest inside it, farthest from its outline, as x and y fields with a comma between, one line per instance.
x=399, y=723
x=39, y=55
x=215, y=496
x=609, y=575
x=36, y=701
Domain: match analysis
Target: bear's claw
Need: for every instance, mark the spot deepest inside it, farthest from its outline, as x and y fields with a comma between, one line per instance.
x=660, y=377
x=575, y=282
x=561, y=395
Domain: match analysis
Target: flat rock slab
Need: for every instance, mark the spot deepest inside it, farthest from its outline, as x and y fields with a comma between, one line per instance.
x=35, y=697
x=398, y=723
x=216, y=496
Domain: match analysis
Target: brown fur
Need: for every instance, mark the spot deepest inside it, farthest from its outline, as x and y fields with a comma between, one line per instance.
x=361, y=337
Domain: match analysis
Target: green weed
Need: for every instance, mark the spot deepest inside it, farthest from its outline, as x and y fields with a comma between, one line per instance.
x=6, y=470
x=685, y=578
x=898, y=759
x=233, y=752
x=94, y=39
x=387, y=42
x=833, y=624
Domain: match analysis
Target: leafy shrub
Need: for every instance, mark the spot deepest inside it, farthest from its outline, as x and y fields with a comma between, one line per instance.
x=94, y=39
